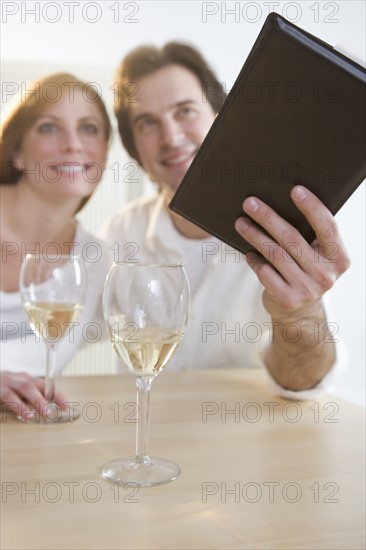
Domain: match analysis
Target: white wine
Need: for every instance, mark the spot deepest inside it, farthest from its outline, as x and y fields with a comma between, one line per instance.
x=51, y=319
x=144, y=351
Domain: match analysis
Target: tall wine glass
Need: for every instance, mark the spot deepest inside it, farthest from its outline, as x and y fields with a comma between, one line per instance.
x=146, y=311
x=52, y=289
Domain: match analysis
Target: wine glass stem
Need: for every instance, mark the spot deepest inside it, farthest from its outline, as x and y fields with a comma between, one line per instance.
x=49, y=383
x=142, y=427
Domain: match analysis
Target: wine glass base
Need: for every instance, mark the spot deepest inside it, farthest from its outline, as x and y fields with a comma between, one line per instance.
x=152, y=471
x=52, y=414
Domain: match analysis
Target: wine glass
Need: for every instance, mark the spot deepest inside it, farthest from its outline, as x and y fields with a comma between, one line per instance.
x=52, y=290
x=146, y=311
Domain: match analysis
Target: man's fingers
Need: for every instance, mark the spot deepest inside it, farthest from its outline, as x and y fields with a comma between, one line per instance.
x=292, y=246
x=277, y=289
x=273, y=252
x=317, y=214
x=267, y=275
x=324, y=263
x=328, y=238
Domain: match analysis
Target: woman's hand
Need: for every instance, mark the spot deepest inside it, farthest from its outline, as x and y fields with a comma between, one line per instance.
x=20, y=393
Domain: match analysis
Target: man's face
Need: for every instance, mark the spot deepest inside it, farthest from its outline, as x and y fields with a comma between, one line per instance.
x=169, y=122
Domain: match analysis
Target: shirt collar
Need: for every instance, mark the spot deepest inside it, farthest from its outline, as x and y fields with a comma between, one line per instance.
x=161, y=231
x=162, y=234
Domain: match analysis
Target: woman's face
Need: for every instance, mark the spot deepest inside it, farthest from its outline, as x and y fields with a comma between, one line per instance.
x=63, y=154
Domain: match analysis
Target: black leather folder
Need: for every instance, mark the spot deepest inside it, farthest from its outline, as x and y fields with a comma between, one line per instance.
x=296, y=114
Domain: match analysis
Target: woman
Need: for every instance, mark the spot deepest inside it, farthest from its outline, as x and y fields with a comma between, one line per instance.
x=53, y=149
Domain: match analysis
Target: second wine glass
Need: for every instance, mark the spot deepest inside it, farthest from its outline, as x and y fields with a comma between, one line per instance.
x=146, y=311
x=52, y=290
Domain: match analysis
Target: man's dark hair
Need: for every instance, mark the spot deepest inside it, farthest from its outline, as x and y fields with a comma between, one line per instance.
x=145, y=60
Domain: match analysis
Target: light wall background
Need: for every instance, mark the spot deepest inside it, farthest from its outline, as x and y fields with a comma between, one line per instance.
x=90, y=38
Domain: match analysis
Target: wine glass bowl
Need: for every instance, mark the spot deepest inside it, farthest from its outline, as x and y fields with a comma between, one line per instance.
x=146, y=311
x=52, y=290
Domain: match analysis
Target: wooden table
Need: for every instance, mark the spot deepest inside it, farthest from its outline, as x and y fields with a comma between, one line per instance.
x=257, y=471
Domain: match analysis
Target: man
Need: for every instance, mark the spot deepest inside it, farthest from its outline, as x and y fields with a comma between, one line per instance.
x=163, y=116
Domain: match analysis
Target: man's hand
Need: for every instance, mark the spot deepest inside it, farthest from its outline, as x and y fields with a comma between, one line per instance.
x=295, y=275
x=20, y=392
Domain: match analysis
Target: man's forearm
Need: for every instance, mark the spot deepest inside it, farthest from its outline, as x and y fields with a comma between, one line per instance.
x=302, y=351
